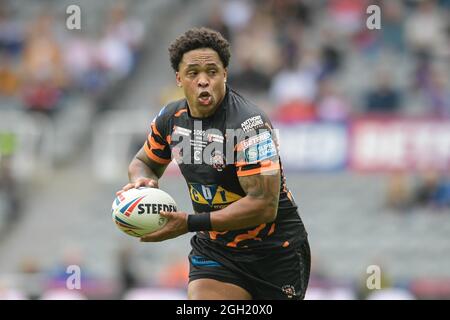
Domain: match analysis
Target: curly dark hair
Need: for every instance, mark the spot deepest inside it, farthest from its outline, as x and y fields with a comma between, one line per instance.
x=197, y=38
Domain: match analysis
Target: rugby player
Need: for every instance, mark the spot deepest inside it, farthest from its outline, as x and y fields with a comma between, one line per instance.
x=249, y=241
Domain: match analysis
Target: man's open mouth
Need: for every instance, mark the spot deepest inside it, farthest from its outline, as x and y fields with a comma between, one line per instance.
x=205, y=98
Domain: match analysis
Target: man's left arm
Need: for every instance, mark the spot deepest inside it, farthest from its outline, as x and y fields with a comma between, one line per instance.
x=258, y=171
x=259, y=206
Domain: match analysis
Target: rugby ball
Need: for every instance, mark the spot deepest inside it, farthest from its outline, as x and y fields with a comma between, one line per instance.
x=136, y=211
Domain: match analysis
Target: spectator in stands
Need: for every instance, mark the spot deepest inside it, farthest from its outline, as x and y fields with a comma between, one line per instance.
x=438, y=95
x=114, y=56
x=79, y=61
x=422, y=71
x=290, y=42
x=331, y=104
x=43, y=67
x=128, y=30
x=347, y=15
x=384, y=99
x=425, y=28
x=433, y=191
x=11, y=32
x=427, y=189
x=294, y=111
x=9, y=77
x=258, y=44
x=331, y=60
x=393, y=31
x=294, y=89
x=398, y=195
x=442, y=199
x=42, y=96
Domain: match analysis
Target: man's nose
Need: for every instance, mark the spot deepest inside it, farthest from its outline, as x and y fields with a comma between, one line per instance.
x=203, y=81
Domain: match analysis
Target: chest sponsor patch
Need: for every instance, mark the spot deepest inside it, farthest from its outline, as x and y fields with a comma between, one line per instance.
x=252, y=123
x=260, y=151
x=254, y=140
x=211, y=195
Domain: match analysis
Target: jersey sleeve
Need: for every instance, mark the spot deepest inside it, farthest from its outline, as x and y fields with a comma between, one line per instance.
x=256, y=151
x=157, y=145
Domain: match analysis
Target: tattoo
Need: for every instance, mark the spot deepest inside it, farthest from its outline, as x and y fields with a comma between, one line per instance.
x=262, y=187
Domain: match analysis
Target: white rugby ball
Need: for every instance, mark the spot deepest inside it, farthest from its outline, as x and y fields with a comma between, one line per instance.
x=136, y=211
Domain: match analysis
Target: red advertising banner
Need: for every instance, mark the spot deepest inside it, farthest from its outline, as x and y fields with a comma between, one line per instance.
x=399, y=144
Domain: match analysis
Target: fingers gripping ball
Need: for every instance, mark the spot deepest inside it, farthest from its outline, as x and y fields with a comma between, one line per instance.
x=136, y=211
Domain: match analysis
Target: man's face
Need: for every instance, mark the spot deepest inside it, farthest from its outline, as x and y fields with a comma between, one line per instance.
x=202, y=76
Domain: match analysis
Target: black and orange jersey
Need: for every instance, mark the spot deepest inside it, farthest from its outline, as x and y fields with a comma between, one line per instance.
x=212, y=153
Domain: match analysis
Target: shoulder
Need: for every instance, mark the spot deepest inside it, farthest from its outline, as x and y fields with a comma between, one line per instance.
x=171, y=110
x=244, y=114
x=164, y=119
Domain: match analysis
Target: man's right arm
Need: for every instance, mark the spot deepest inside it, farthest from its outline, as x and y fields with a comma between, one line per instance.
x=143, y=172
x=151, y=160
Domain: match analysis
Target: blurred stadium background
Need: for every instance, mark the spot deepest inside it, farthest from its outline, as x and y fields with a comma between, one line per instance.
x=364, y=119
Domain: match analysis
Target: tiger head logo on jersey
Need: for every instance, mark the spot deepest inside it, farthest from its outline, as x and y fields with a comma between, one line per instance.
x=218, y=160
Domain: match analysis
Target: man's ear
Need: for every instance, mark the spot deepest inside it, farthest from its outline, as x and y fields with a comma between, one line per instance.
x=225, y=75
x=178, y=79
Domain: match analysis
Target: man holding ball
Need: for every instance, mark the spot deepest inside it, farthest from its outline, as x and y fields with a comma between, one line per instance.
x=250, y=242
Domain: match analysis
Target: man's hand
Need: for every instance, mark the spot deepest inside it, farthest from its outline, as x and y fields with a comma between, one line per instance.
x=141, y=182
x=175, y=226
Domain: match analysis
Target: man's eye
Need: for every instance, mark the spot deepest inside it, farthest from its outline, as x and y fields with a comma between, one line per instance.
x=212, y=72
x=192, y=73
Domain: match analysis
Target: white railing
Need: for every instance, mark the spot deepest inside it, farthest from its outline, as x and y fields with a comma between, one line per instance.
x=112, y=139
x=34, y=136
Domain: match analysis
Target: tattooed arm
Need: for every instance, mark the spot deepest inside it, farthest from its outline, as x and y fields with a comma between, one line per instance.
x=143, y=172
x=259, y=206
